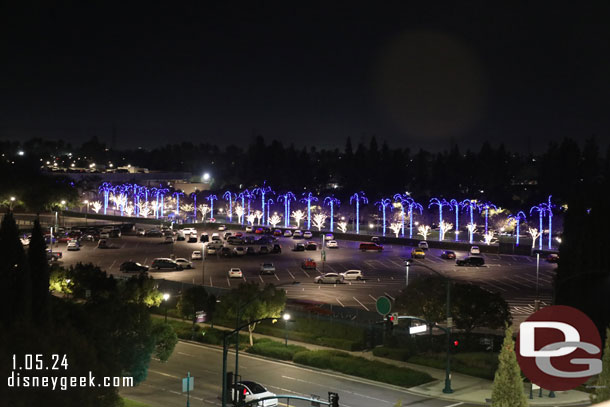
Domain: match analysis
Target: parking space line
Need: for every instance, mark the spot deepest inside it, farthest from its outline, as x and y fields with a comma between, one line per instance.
x=363, y=306
x=228, y=282
x=145, y=260
x=211, y=284
x=389, y=296
x=110, y=268
x=331, y=268
x=340, y=303
x=261, y=278
x=291, y=275
x=373, y=298
x=492, y=285
x=394, y=263
x=308, y=276
x=276, y=277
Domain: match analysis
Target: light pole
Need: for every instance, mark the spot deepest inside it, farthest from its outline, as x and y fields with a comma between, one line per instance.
x=165, y=298
x=286, y=318
x=537, y=300
x=12, y=200
x=407, y=264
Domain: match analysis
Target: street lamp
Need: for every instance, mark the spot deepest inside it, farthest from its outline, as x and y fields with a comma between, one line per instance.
x=407, y=264
x=12, y=199
x=286, y=318
x=165, y=298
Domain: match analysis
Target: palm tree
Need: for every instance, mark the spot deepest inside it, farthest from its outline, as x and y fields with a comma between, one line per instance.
x=412, y=205
x=440, y=204
x=287, y=197
x=332, y=201
x=270, y=202
x=542, y=209
x=549, y=208
x=177, y=196
x=230, y=196
x=402, y=199
x=518, y=218
x=308, y=197
x=212, y=198
x=382, y=204
x=194, y=196
x=243, y=195
x=357, y=198
x=487, y=206
x=162, y=192
x=262, y=190
x=105, y=188
x=455, y=205
x=471, y=204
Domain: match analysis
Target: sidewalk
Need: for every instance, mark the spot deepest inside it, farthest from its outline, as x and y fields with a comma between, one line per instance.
x=466, y=389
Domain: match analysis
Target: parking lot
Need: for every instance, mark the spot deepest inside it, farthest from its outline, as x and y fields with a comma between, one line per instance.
x=512, y=276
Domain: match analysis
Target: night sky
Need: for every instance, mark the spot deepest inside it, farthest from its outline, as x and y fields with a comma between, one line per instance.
x=420, y=75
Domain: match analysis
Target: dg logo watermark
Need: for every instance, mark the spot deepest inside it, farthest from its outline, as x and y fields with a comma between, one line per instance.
x=559, y=348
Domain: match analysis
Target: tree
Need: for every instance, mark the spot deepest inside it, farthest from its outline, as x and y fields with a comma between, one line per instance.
x=602, y=389
x=39, y=271
x=253, y=304
x=507, y=390
x=424, y=231
x=165, y=340
x=141, y=289
x=473, y=307
x=318, y=220
x=424, y=297
x=196, y=299
x=274, y=220
x=298, y=216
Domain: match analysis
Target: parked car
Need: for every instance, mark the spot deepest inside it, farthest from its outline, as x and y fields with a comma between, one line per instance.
x=277, y=248
x=475, y=250
x=188, y=231
x=73, y=245
x=332, y=278
x=423, y=245
x=352, y=275
x=239, y=251
x=311, y=246
x=103, y=244
x=448, y=254
x=226, y=252
x=248, y=229
x=141, y=232
x=215, y=237
x=53, y=256
x=162, y=263
x=417, y=253
x=235, y=272
x=308, y=264
x=299, y=247
x=238, y=234
x=180, y=236
x=258, y=231
x=211, y=249
x=184, y=263
x=329, y=236
x=376, y=239
x=204, y=238
x=250, y=250
x=154, y=233
x=248, y=391
x=332, y=244
x=235, y=240
x=192, y=238
x=267, y=268
x=552, y=258
x=196, y=255
x=103, y=235
x=470, y=261
x=370, y=246
x=132, y=267
x=277, y=232
x=222, y=228
x=227, y=235
x=168, y=239
x=297, y=234
x=307, y=234
x=287, y=233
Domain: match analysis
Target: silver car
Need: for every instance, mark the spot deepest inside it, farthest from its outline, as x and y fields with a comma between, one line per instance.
x=330, y=278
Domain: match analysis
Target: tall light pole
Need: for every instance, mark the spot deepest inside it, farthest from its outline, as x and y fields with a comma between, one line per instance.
x=12, y=202
x=165, y=298
x=537, y=300
x=407, y=264
x=286, y=318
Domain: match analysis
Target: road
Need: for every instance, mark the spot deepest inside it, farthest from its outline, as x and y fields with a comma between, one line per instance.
x=163, y=386
x=514, y=277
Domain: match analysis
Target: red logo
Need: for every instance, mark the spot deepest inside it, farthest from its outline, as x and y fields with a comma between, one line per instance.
x=559, y=348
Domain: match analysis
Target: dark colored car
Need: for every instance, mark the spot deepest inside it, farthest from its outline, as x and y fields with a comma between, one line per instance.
x=475, y=261
x=448, y=254
x=552, y=258
x=132, y=267
x=250, y=250
x=226, y=252
x=299, y=247
x=276, y=248
x=204, y=238
x=154, y=233
x=311, y=246
x=277, y=232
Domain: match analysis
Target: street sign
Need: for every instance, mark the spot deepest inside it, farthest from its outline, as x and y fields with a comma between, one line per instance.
x=201, y=316
x=315, y=403
x=384, y=305
x=449, y=322
x=188, y=384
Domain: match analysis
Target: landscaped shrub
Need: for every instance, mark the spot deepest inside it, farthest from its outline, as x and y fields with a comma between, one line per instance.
x=275, y=350
x=393, y=353
x=476, y=364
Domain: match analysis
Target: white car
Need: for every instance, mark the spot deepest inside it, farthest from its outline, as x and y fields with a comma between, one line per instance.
x=235, y=272
x=423, y=245
x=475, y=250
x=254, y=391
x=307, y=234
x=297, y=233
x=168, y=239
x=222, y=228
x=332, y=244
x=332, y=278
x=73, y=245
x=248, y=229
x=196, y=255
x=239, y=251
x=188, y=231
x=211, y=249
x=184, y=263
x=287, y=233
x=141, y=232
x=352, y=275
x=105, y=235
x=329, y=236
x=215, y=237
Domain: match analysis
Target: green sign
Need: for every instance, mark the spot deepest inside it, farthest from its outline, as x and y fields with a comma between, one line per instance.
x=384, y=305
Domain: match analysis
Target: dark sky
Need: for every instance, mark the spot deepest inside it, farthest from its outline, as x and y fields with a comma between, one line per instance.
x=420, y=74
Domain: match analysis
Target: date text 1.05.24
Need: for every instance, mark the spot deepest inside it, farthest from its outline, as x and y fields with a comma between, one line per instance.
x=40, y=362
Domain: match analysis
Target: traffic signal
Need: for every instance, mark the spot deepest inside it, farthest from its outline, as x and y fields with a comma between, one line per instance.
x=333, y=399
x=242, y=395
x=389, y=324
x=394, y=318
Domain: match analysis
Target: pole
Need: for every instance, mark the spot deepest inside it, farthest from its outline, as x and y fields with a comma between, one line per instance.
x=407, y=274
x=537, y=301
x=165, y=311
x=447, y=389
x=285, y=332
x=188, y=386
x=225, y=351
x=203, y=264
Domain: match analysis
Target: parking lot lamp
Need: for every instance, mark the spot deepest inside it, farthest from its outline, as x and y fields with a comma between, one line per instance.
x=165, y=298
x=286, y=318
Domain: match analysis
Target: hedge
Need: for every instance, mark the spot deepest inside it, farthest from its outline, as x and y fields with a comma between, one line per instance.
x=361, y=367
x=275, y=350
x=478, y=364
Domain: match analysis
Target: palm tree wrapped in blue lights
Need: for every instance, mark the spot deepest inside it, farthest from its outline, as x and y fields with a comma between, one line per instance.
x=402, y=199
x=455, y=206
x=177, y=195
x=242, y=195
x=194, y=196
x=262, y=191
x=357, y=198
x=486, y=206
x=105, y=189
x=287, y=197
x=382, y=204
x=332, y=201
x=230, y=196
x=270, y=202
x=212, y=198
x=308, y=197
x=471, y=204
x=411, y=204
x=549, y=208
x=440, y=203
x=542, y=210
x=518, y=217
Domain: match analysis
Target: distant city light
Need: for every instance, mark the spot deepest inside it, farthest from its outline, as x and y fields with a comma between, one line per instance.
x=206, y=177
x=21, y=152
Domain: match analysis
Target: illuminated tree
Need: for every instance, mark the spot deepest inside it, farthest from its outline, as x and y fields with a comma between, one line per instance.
x=270, y=202
x=444, y=227
x=143, y=209
x=242, y=195
x=129, y=209
x=251, y=217
x=274, y=220
x=177, y=195
x=471, y=229
x=411, y=204
x=440, y=204
x=486, y=206
x=194, y=196
x=456, y=205
x=239, y=211
x=308, y=197
x=211, y=198
x=97, y=205
x=342, y=227
x=332, y=201
x=262, y=190
x=549, y=208
x=105, y=189
x=318, y=220
x=187, y=207
x=396, y=227
x=162, y=192
x=487, y=237
x=542, y=210
x=204, y=209
x=517, y=219
x=535, y=235
x=424, y=231
x=229, y=196
x=287, y=197
x=471, y=204
x=401, y=199
x=382, y=204
x=154, y=206
x=357, y=198
x=258, y=215
x=298, y=216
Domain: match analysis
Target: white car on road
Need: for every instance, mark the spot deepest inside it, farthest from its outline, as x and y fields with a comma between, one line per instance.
x=196, y=255
x=254, y=391
x=235, y=272
x=307, y=234
x=287, y=233
x=352, y=275
x=73, y=245
x=222, y=228
x=184, y=263
x=475, y=250
x=332, y=244
x=332, y=278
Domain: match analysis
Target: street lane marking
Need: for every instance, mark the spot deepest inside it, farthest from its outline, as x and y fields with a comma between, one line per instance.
x=338, y=301
x=211, y=284
x=455, y=404
x=164, y=374
x=261, y=278
x=308, y=276
x=363, y=306
x=110, y=268
x=228, y=282
x=291, y=275
x=343, y=390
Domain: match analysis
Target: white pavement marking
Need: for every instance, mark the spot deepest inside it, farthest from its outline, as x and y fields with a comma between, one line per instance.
x=395, y=263
x=374, y=299
x=308, y=276
x=455, y=404
x=331, y=268
x=145, y=259
x=389, y=296
x=291, y=275
x=276, y=277
x=228, y=282
x=110, y=268
x=261, y=278
x=211, y=284
x=363, y=306
x=339, y=302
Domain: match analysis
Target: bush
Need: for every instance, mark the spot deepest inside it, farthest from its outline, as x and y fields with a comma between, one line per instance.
x=361, y=367
x=339, y=343
x=275, y=350
x=478, y=364
x=392, y=353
